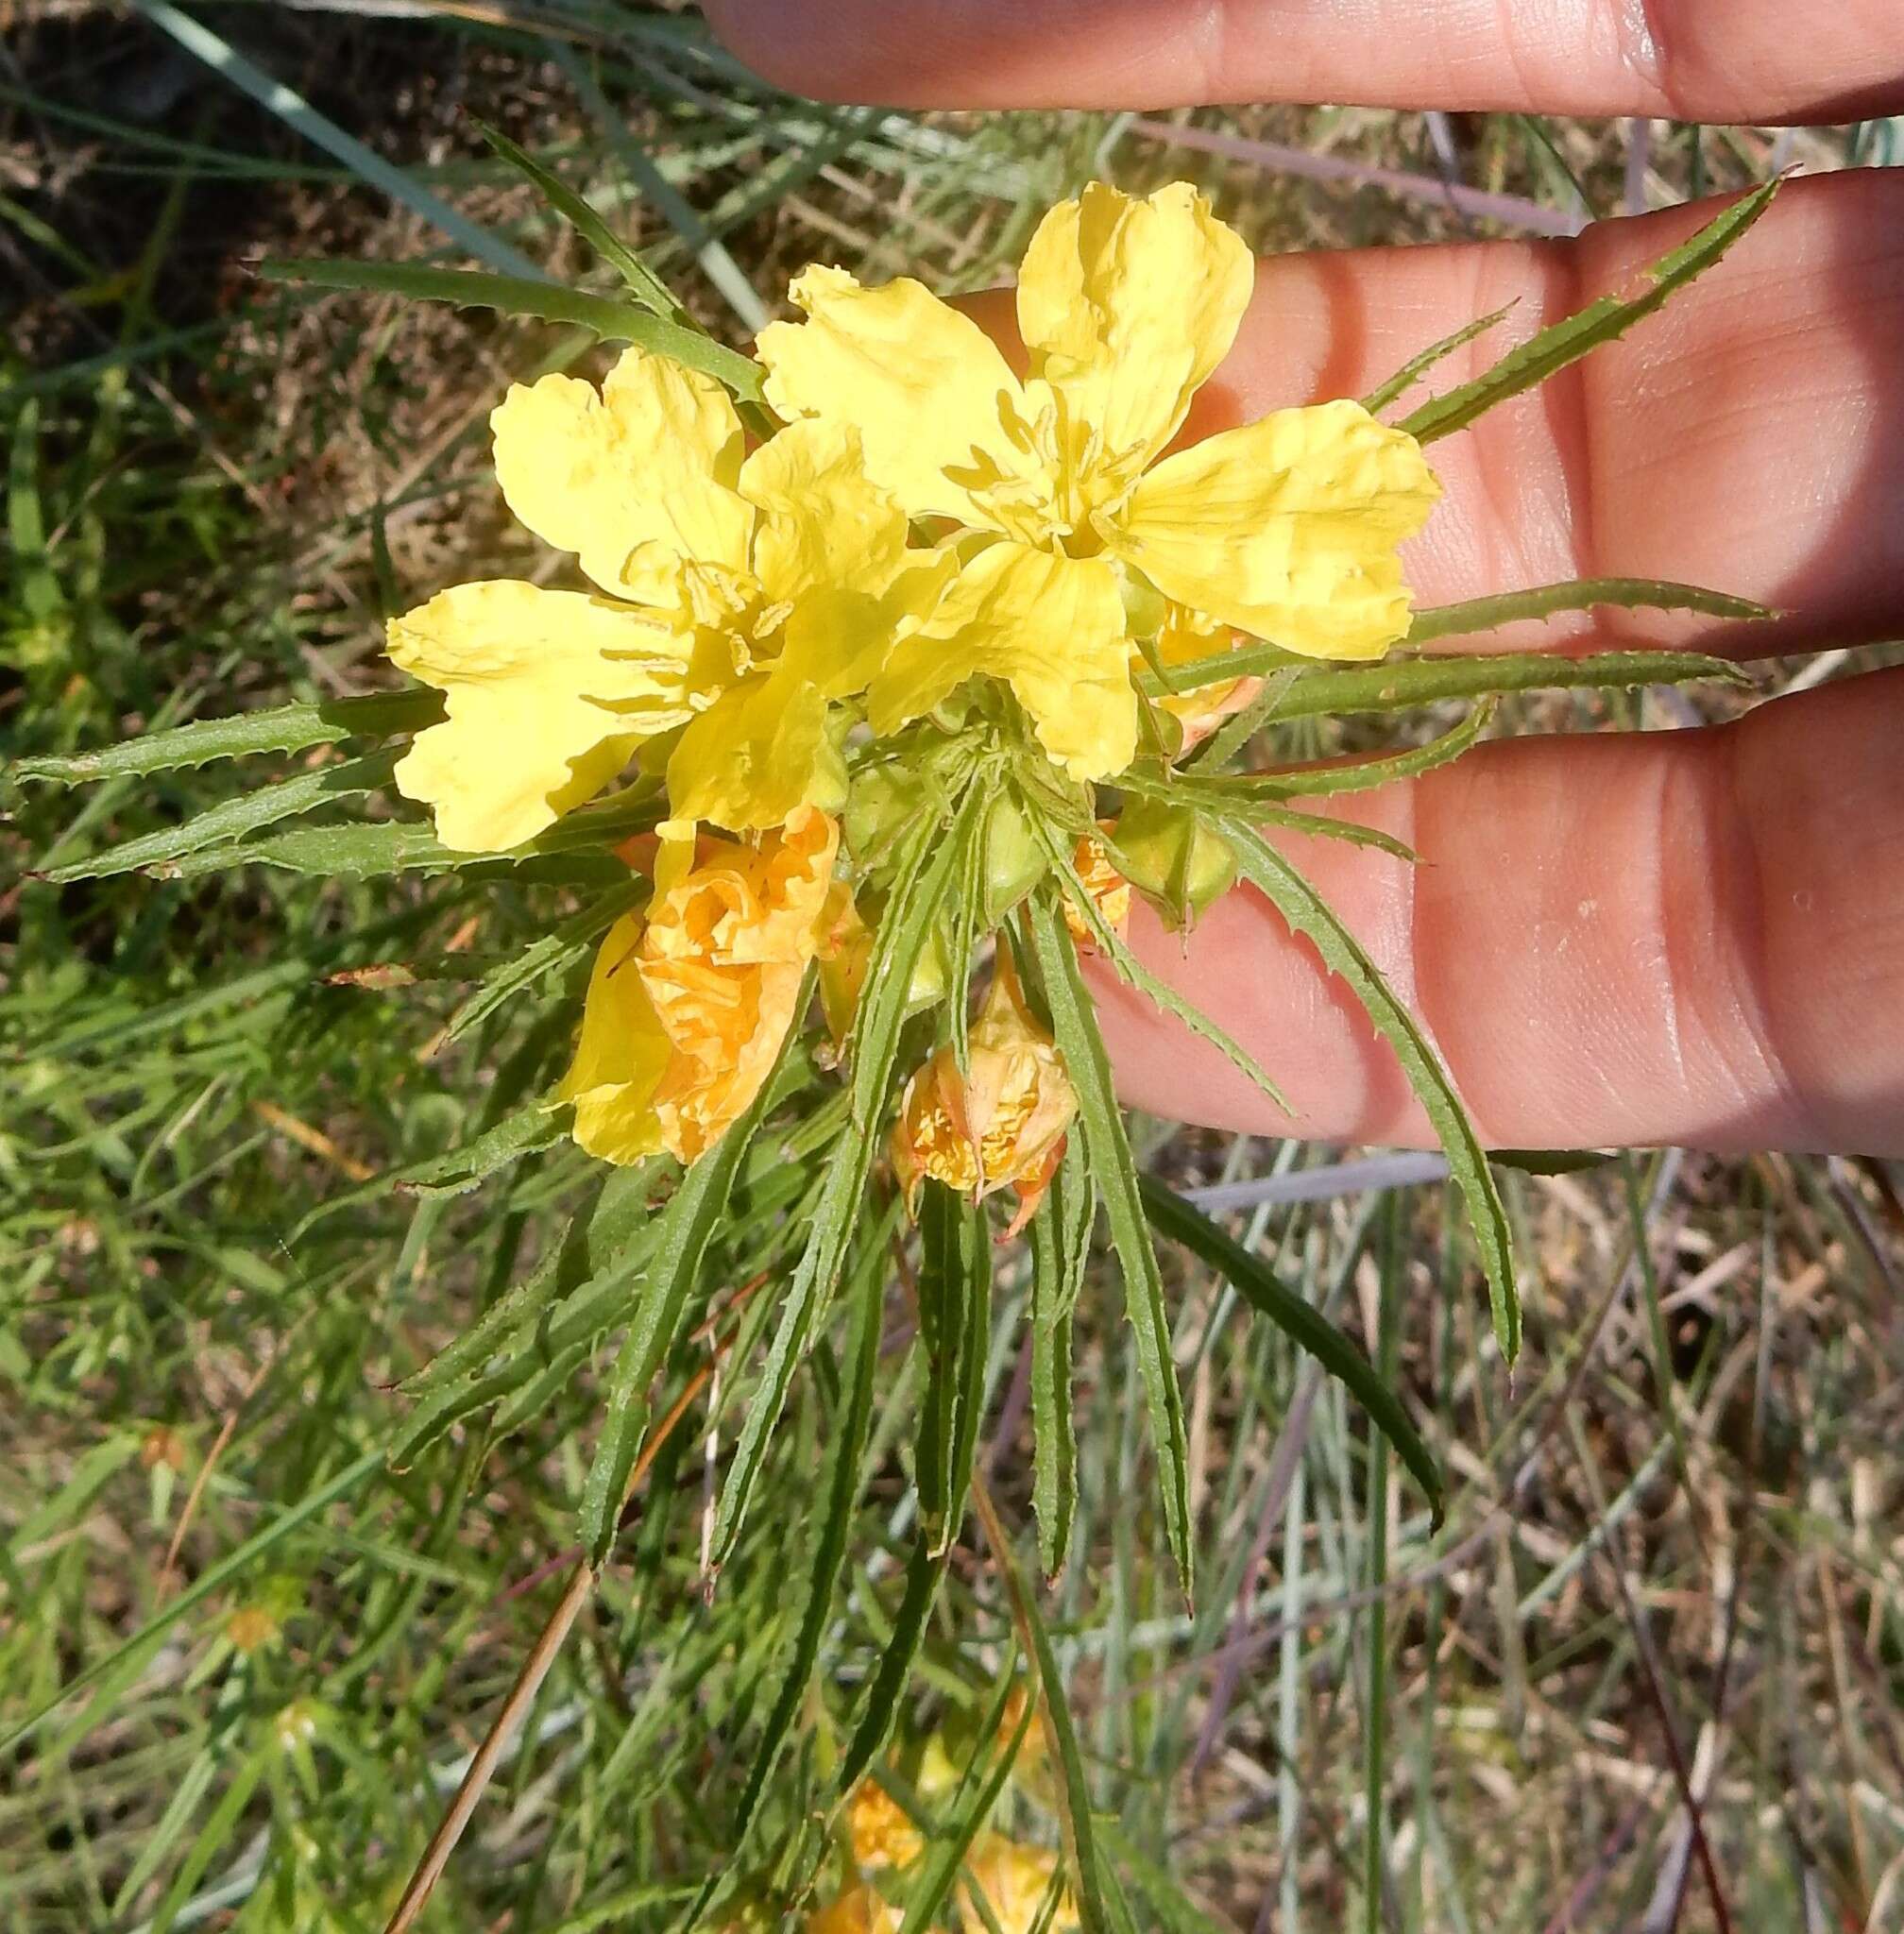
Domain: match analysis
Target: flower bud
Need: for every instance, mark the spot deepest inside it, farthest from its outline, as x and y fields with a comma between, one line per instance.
x=1014, y=859
x=1001, y=1122
x=1173, y=859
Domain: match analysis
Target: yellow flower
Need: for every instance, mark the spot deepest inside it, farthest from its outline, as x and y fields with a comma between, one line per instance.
x=1016, y=1881
x=881, y=1833
x=736, y=596
x=1285, y=528
x=689, y=1003
x=1184, y=638
x=1003, y=1122
x=845, y=953
x=859, y=1910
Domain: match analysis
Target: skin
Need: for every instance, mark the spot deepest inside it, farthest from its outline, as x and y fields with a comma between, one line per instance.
x=1676, y=937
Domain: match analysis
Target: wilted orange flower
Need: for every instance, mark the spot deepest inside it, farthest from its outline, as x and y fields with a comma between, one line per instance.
x=859, y=1910
x=1015, y=1881
x=1002, y=1123
x=1107, y=887
x=879, y=1830
x=689, y=1003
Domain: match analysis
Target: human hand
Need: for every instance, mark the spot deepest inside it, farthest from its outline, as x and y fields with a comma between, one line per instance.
x=1692, y=937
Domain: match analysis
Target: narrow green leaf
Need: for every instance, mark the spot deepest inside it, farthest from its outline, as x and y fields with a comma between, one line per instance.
x=1580, y=594
x=286, y=728
x=1300, y=1320
x=552, y=954
x=687, y=1226
x=369, y=849
x=1350, y=776
x=923, y=871
x=1604, y=321
x=880, y=1708
x=465, y=1167
x=1394, y=684
x=1309, y=914
x=1061, y=1236
x=613, y=321
x=840, y=1498
x=972, y=1258
x=1133, y=972
x=226, y=824
x=1417, y=366
x=933, y=1886
x=645, y=286
x=1074, y=1810
x=1107, y=1153
x=944, y=1284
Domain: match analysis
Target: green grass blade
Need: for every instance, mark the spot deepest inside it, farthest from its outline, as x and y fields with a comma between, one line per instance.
x=1600, y=322
x=213, y=1579
x=1309, y=914
x=933, y=1887
x=274, y=97
x=1581, y=594
x=612, y=320
x=284, y=729
x=1107, y=1153
x=1301, y=1321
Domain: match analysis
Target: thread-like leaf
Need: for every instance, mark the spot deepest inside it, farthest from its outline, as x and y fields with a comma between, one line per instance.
x=1300, y=1320
x=1417, y=366
x=1349, y=775
x=1310, y=915
x=612, y=320
x=1581, y=594
x=284, y=729
x=1605, y=321
x=923, y=871
x=1107, y=1152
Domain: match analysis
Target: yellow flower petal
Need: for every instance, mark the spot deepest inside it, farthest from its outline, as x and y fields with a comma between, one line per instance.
x=1050, y=626
x=634, y=480
x=547, y=694
x=1127, y=306
x=621, y=1057
x=824, y=523
x=757, y=754
x=925, y=386
x=1287, y=528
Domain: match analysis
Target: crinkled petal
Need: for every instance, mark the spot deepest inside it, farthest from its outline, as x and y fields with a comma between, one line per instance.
x=824, y=525
x=757, y=754
x=1288, y=528
x=547, y=693
x=1051, y=627
x=621, y=1057
x=634, y=480
x=925, y=386
x=1128, y=305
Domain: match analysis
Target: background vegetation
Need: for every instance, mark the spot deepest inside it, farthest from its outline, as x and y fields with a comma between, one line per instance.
x=1647, y=1676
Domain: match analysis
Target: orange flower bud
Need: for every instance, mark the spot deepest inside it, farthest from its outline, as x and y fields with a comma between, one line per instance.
x=1002, y=1122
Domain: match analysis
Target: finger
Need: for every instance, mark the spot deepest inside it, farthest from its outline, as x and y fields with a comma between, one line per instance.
x=1755, y=61
x=1748, y=436
x=1678, y=937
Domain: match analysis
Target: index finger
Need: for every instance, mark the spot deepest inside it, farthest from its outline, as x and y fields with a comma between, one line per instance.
x=1756, y=60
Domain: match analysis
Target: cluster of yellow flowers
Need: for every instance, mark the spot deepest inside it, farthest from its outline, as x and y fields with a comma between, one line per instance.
x=923, y=517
